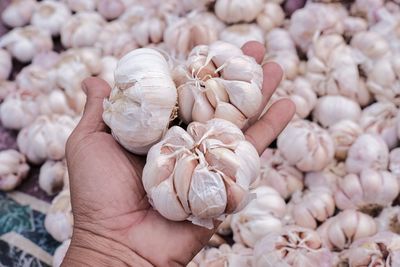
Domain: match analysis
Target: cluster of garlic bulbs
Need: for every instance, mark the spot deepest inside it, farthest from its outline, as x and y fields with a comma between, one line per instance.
x=325, y=195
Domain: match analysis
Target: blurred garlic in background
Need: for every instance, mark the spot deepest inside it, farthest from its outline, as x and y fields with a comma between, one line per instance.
x=5, y=64
x=6, y=88
x=394, y=161
x=13, y=169
x=344, y=133
x=233, y=11
x=60, y=253
x=81, y=5
x=389, y=220
x=239, y=34
x=51, y=176
x=272, y=16
x=18, y=13
x=225, y=255
x=110, y=9
x=109, y=64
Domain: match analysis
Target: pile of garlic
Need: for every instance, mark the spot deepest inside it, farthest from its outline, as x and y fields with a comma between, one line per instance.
x=183, y=91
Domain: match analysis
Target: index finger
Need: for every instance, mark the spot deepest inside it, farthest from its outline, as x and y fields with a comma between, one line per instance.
x=255, y=50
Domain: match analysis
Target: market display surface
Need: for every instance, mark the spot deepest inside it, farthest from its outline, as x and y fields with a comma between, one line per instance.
x=326, y=193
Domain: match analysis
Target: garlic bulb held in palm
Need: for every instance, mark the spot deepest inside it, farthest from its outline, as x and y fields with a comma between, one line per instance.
x=18, y=12
x=233, y=11
x=142, y=101
x=202, y=174
x=219, y=81
x=50, y=16
x=5, y=64
x=51, y=176
x=13, y=169
x=59, y=220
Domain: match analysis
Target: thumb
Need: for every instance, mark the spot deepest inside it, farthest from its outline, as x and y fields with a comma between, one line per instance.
x=96, y=91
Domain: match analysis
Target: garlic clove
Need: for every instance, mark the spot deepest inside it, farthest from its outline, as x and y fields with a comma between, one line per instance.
x=223, y=160
x=184, y=169
x=202, y=109
x=215, y=92
x=236, y=196
x=51, y=176
x=228, y=112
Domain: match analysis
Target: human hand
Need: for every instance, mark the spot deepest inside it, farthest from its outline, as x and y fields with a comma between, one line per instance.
x=114, y=224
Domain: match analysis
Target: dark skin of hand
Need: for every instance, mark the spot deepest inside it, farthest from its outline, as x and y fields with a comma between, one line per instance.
x=114, y=224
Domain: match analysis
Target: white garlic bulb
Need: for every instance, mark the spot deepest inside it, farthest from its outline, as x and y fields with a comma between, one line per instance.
x=45, y=138
x=294, y=246
x=235, y=256
x=368, y=151
x=312, y=207
x=389, y=220
x=55, y=102
x=59, y=221
x=108, y=66
x=60, y=253
x=110, y=9
x=51, y=176
x=81, y=29
x=344, y=133
x=142, y=102
x=50, y=16
x=233, y=11
x=380, y=118
x=325, y=179
x=340, y=231
x=19, y=109
x=272, y=16
x=334, y=108
x=219, y=81
x=81, y=5
x=88, y=55
x=24, y=43
x=394, y=163
x=201, y=174
x=306, y=145
x=260, y=217
x=354, y=25
x=369, y=191
x=13, y=169
x=6, y=88
x=36, y=79
x=183, y=34
x=277, y=173
x=239, y=34
x=366, y=9
x=5, y=64
x=18, y=12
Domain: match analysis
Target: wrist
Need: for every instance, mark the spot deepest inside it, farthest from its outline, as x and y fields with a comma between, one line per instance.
x=90, y=249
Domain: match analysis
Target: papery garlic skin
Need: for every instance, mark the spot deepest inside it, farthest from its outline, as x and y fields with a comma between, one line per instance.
x=312, y=207
x=18, y=13
x=344, y=228
x=142, y=102
x=81, y=5
x=108, y=66
x=18, y=110
x=239, y=34
x=219, y=81
x=306, y=145
x=389, y=220
x=233, y=11
x=394, y=161
x=5, y=64
x=368, y=151
x=110, y=9
x=45, y=138
x=344, y=133
x=81, y=30
x=13, y=169
x=272, y=16
x=24, y=43
x=60, y=253
x=260, y=217
x=369, y=191
x=50, y=16
x=277, y=173
x=59, y=220
x=202, y=174
x=294, y=246
x=234, y=256
x=332, y=109
x=51, y=176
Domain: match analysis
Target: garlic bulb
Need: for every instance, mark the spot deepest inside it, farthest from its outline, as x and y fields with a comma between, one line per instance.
x=89, y=56
x=272, y=16
x=368, y=192
x=81, y=29
x=142, y=102
x=366, y=9
x=183, y=34
x=45, y=138
x=282, y=50
x=382, y=249
x=389, y=220
x=306, y=145
x=5, y=64
x=279, y=174
x=239, y=34
x=18, y=13
x=344, y=133
x=115, y=39
x=110, y=9
x=354, y=25
x=260, y=217
x=50, y=16
x=219, y=81
x=59, y=220
x=60, y=253
x=24, y=43
x=233, y=11
x=201, y=174
x=51, y=176
x=334, y=108
x=6, y=88
x=368, y=151
x=312, y=207
x=46, y=60
x=294, y=246
x=325, y=179
x=237, y=255
x=36, y=79
x=18, y=110
x=394, y=163
x=380, y=118
x=340, y=231
x=81, y=5
x=13, y=169
x=108, y=66
x=55, y=102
